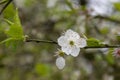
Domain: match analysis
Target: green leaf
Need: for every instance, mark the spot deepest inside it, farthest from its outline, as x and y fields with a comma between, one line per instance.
x=94, y=42
x=12, y=43
x=12, y=18
x=9, y=22
x=104, y=30
x=15, y=29
x=117, y=6
x=110, y=57
x=118, y=37
x=14, y=32
x=9, y=12
x=7, y=40
x=17, y=19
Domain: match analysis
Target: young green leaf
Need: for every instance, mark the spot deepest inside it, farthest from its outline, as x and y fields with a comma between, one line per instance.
x=14, y=32
x=9, y=12
x=93, y=42
x=117, y=6
x=110, y=57
x=15, y=29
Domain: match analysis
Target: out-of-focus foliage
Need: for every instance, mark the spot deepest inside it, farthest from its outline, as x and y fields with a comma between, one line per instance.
x=14, y=30
x=117, y=6
x=93, y=42
x=47, y=20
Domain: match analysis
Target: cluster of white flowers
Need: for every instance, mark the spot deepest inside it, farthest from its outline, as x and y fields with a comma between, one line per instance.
x=70, y=44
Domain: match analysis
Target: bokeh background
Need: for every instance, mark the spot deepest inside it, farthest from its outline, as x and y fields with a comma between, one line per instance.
x=47, y=20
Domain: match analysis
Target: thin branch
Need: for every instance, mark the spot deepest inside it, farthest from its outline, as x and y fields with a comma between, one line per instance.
x=2, y=2
x=40, y=41
x=54, y=42
x=109, y=19
x=108, y=46
x=4, y=7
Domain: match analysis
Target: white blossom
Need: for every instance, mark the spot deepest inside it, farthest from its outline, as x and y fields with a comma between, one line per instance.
x=100, y=7
x=71, y=43
x=60, y=62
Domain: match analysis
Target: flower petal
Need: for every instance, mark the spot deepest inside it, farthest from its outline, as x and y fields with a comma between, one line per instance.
x=71, y=34
x=66, y=49
x=62, y=41
x=81, y=43
x=75, y=51
x=60, y=62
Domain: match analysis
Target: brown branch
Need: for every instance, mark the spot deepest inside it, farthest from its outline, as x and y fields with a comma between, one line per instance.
x=40, y=41
x=108, y=46
x=87, y=47
x=4, y=7
x=2, y=2
x=109, y=19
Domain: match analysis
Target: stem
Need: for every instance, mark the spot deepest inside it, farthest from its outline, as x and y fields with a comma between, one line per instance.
x=2, y=2
x=40, y=41
x=108, y=46
x=87, y=47
x=109, y=19
x=4, y=7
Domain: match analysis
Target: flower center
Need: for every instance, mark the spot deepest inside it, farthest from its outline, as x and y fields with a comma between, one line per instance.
x=61, y=53
x=71, y=43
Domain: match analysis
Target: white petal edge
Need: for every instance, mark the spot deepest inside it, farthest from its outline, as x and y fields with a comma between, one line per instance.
x=75, y=51
x=60, y=62
x=66, y=49
x=62, y=41
x=72, y=34
x=81, y=43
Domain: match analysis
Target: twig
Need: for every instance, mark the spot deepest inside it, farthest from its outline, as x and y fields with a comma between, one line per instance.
x=54, y=42
x=109, y=19
x=40, y=41
x=4, y=7
x=108, y=46
x=3, y=2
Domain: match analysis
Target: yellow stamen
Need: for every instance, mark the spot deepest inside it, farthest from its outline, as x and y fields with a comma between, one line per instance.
x=71, y=43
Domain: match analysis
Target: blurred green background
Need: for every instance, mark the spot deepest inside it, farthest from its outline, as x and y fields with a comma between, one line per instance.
x=47, y=20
